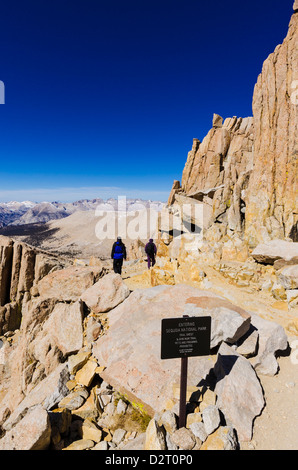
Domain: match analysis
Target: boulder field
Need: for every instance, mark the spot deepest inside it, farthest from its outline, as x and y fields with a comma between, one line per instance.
x=86, y=372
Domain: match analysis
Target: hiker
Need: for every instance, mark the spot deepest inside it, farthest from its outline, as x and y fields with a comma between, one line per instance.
x=150, y=250
x=118, y=255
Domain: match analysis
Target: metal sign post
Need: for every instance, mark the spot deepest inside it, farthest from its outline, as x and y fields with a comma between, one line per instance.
x=183, y=392
x=183, y=338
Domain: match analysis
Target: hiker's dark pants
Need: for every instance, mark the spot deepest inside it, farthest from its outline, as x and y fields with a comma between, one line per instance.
x=117, y=266
x=151, y=261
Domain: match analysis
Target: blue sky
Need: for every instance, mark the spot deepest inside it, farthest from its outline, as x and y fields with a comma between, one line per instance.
x=104, y=97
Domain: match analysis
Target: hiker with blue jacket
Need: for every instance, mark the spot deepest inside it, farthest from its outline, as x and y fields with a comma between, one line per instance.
x=150, y=250
x=118, y=255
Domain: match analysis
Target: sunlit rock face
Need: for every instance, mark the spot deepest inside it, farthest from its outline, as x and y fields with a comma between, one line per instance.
x=272, y=192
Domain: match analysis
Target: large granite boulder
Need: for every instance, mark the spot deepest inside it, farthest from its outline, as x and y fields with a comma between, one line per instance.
x=239, y=391
x=106, y=293
x=131, y=348
x=33, y=432
x=273, y=250
x=68, y=284
x=288, y=276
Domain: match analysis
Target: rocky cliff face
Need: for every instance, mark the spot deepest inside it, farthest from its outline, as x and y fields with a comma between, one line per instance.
x=272, y=191
x=245, y=170
x=21, y=266
x=217, y=170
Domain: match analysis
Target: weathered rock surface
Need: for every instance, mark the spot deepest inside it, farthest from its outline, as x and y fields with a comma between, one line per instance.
x=80, y=398
x=10, y=317
x=20, y=267
x=81, y=444
x=106, y=294
x=6, y=253
x=48, y=393
x=228, y=322
x=68, y=284
x=244, y=172
x=271, y=210
x=210, y=174
x=184, y=439
x=149, y=380
x=211, y=418
x=275, y=250
x=224, y=438
x=134, y=367
x=62, y=330
x=51, y=329
x=221, y=149
x=240, y=395
x=175, y=189
x=288, y=277
x=155, y=437
x=271, y=340
x=33, y=432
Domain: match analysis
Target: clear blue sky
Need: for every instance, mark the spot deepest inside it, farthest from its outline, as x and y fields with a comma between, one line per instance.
x=104, y=97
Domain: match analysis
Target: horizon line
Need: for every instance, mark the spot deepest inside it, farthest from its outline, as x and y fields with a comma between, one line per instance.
x=73, y=194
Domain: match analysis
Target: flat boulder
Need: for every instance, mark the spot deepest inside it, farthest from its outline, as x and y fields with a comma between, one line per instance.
x=131, y=348
x=274, y=250
x=68, y=284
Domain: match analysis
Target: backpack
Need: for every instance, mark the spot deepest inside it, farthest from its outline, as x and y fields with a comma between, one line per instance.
x=150, y=249
x=118, y=251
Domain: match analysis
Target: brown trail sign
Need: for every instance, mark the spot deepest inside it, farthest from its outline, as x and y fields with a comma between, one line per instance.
x=183, y=338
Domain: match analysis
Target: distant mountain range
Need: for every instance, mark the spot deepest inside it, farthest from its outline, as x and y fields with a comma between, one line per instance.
x=28, y=212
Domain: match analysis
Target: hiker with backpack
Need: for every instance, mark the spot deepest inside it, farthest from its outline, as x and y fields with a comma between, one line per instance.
x=118, y=255
x=150, y=250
